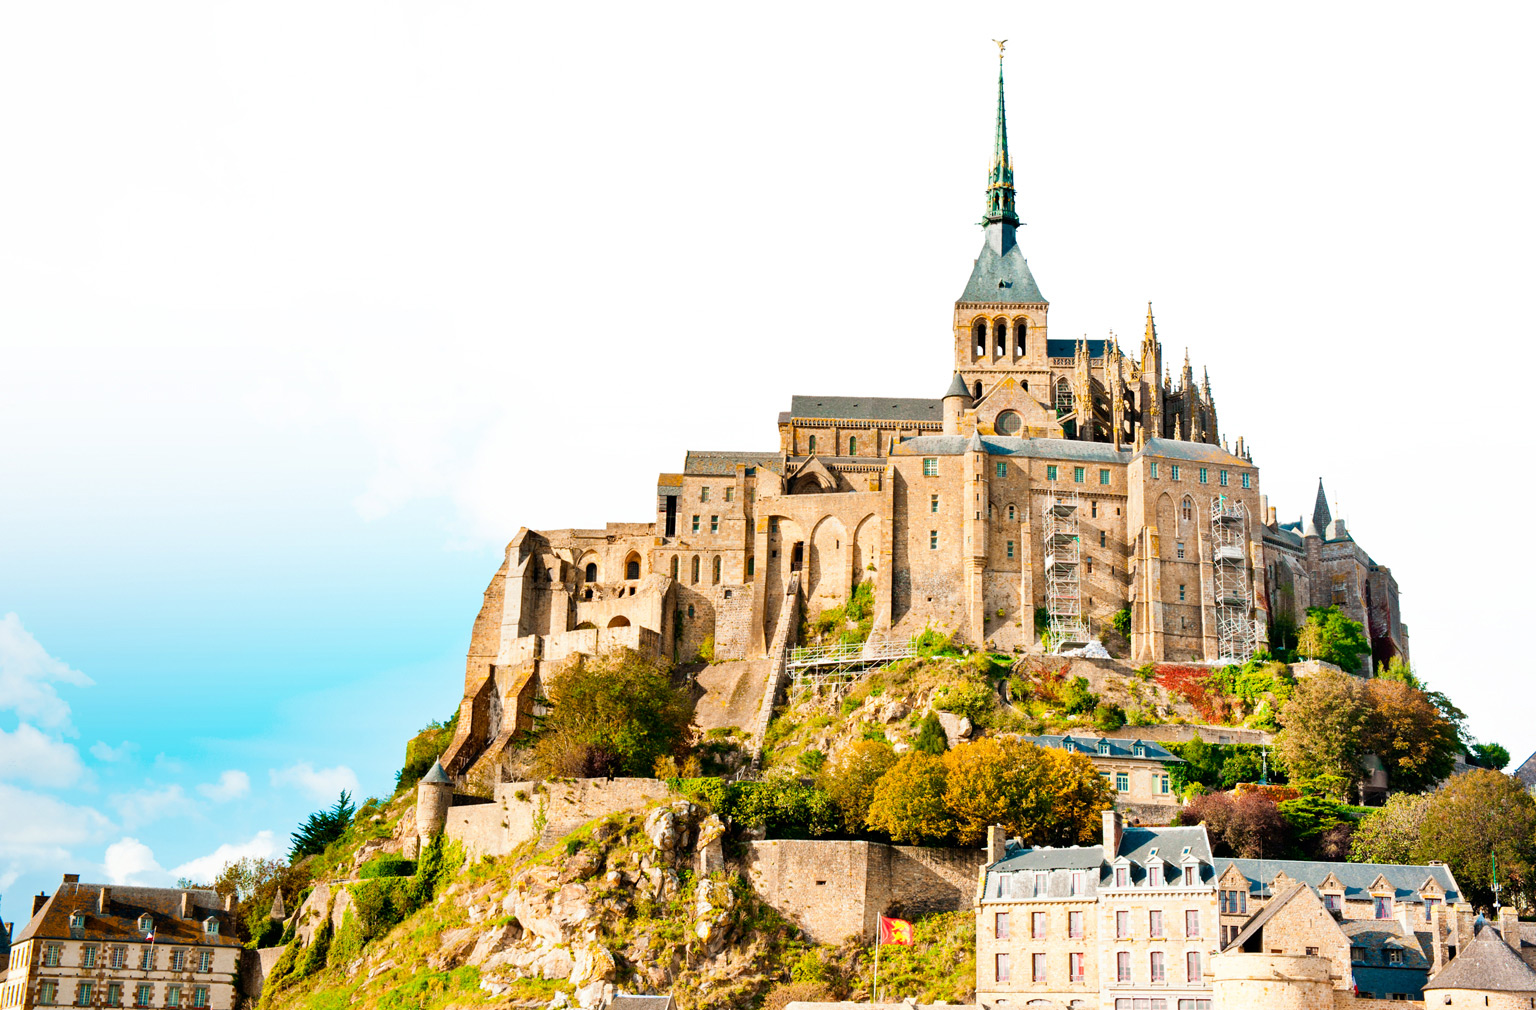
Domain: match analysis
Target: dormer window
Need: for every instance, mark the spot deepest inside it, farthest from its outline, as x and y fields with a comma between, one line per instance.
x=211, y=926
x=1155, y=875
x=77, y=920
x=1122, y=876
x=146, y=923
x=1139, y=749
x=1104, y=747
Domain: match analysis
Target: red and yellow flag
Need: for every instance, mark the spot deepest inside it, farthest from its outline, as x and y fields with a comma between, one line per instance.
x=895, y=931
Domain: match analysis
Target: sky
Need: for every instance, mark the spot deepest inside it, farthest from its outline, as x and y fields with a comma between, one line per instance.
x=306, y=308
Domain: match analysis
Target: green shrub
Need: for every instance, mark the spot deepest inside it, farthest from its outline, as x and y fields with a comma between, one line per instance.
x=1108, y=717
x=967, y=698
x=707, y=649
x=423, y=749
x=930, y=736
x=1121, y=622
x=1018, y=689
x=387, y=865
x=811, y=761
x=1075, y=697
x=850, y=705
x=930, y=642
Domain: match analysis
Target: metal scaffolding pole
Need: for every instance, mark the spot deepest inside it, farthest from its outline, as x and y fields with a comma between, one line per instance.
x=1063, y=579
x=1236, y=631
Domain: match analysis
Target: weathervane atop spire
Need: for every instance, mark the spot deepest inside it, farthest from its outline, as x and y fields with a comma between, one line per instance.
x=1000, y=178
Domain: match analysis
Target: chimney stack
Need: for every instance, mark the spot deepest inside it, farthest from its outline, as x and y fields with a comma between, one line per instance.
x=104, y=900
x=1114, y=829
x=38, y=901
x=186, y=904
x=1437, y=938
x=1509, y=927
x=997, y=843
x=229, y=902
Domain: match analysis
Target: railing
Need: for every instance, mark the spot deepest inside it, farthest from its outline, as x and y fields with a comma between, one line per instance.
x=831, y=663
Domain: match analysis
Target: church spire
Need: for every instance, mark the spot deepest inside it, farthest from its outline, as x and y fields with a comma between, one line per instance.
x=1320, y=514
x=1000, y=193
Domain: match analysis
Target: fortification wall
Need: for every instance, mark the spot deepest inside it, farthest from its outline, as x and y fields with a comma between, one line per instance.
x=836, y=889
x=543, y=811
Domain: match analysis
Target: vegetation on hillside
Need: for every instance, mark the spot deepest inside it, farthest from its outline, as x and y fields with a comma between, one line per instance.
x=611, y=717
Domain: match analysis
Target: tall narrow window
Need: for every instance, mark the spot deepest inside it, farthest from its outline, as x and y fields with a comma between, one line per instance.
x=1155, y=920
x=1158, y=970
x=1063, y=397
x=590, y=573
x=751, y=568
x=1188, y=510
x=1050, y=472
x=695, y=524
x=674, y=568
x=716, y=576
x=1010, y=513
x=1247, y=480
x=1077, y=883
x=730, y=494
x=205, y=963
x=1000, y=925
x=1192, y=922
x=930, y=467
x=1002, y=468
x=1020, y=336
x=1077, y=474
x=810, y=446
x=714, y=524
x=1173, y=471
x=1075, y=963
x=695, y=569
x=1181, y=592
x=853, y=446
x=933, y=540
x=1122, y=917
x=1101, y=538
x=1154, y=469
x=1155, y=875
x=1000, y=968
x=1010, y=550
x=979, y=337
x=1204, y=475
x=1123, y=966
x=1103, y=476
x=1037, y=968
x=1037, y=925
x=1222, y=478
x=1192, y=967
x=704, y=494
x=1000, y=337
x=1075, y=925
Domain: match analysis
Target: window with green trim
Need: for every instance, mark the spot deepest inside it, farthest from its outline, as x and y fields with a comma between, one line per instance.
x=1222, y=476
x=1002, y=469
x=1154, y=469
x=1077, y=473
x=1050, y=473
x=1204, y=478
x=933, y=503
x=1247, y=481
x=1173, y=471
x=933, y=540
x=1103, y=476
x=1010, y=548
x=930, y=467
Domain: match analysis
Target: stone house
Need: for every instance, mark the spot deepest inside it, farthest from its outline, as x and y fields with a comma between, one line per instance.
x=1137, y=771
x=94, y=945
x=1133, y=918
x=1051, y=473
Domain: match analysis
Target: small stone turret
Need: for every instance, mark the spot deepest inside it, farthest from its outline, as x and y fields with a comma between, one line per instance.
x=279, y=911
x=434, y=795
x=957, y=400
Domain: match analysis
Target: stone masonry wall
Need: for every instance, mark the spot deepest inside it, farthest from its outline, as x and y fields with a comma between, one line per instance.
x=525, y=811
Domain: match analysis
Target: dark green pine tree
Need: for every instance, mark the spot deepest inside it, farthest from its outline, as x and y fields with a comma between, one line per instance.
x=322, y=828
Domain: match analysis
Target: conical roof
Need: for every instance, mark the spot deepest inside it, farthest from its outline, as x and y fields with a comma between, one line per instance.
x=1487, y=964
x=1320, y=513
x=437, y=776
x=957, y=387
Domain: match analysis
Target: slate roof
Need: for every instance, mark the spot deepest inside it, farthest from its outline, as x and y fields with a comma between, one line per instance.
x=437, y=776
x=723, y=464
x=1003, y=278
x=871, y=408
x=1526, y=773
x=1012, y=445
x=957, y=387
x=1285, y=536
x=1153, y=751
x=1200, y=452
x=1380, y=982
x=1068, y=348
x=1406, y=879
x=1258, y=921
x=121, y=920
x=1487, y=963
x=1381, y=935
x=1136, y=845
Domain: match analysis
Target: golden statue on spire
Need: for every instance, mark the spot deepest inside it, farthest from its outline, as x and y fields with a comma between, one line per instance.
x=1000, y=44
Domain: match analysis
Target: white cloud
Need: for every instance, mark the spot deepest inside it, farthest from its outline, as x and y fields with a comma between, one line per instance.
x=39, y=758
x=145, y=805
x=101, y=751
x=130, y=861
x=36, y=832
x=27, y=676
x=204, y=869
x=231, y=785
x=324, y=784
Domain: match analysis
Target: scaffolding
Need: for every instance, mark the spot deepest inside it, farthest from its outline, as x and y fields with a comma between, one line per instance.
x=843, y=663
x=1236, y=631
x=1063, y=579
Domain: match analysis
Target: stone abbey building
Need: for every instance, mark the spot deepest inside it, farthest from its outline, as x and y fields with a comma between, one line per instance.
x=1070, y=476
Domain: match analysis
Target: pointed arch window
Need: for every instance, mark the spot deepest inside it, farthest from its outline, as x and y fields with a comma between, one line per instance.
x=1187, y=510
x=1063, y=397
x=632, y=568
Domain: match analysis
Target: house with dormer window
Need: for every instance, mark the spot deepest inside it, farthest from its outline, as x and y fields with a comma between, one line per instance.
x=1136, y=770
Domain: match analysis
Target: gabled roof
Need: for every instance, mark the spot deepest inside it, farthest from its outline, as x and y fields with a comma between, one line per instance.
x=1002, y=277
x=1012, y=445
x=125, y=905
x=1357, y=878
x=1269, y=911
x=1526, y=773
x=1487, y=964
x=873, y=408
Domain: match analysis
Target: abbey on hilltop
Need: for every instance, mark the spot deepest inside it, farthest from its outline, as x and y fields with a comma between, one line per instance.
x=1054, y=481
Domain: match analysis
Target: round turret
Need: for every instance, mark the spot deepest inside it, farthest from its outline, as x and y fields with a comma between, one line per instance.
x=1272, y=981
x=434, y=795
x=957, y=400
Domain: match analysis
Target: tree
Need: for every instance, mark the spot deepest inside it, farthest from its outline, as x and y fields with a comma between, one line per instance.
x=1323, y=720
x=322, y=828
x=1330, y=636
x=908, y=803
x=1033, y=792
x=931, y=738
x=1479, y=815
x=611, y=716
x=851, y=776
x=254, y=883
x=1416, y=744
x=1247, y=825
x=1390, y=833
x=1311, y=819
x=1398, y=669
x=1490, y=755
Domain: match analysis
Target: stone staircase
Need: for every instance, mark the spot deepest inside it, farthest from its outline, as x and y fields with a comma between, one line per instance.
x=778, y=656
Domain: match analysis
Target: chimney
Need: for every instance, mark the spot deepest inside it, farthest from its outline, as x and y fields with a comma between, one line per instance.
x=1263, y=508
x=38, y=901
x=997, y=843
x=104, y=900
x=229, y=902
x=1509, y=927
x=71, y=878
x=186, y=904
x=1114, y=828
x=1437, y=938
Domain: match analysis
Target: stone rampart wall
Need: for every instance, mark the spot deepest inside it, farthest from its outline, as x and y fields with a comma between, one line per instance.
x=543, y=811
x=836, y=889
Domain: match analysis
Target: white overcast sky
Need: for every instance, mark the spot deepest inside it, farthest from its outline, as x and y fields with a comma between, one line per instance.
x=306, y=308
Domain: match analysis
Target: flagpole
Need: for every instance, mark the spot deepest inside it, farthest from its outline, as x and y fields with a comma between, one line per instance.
x=880, y=928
